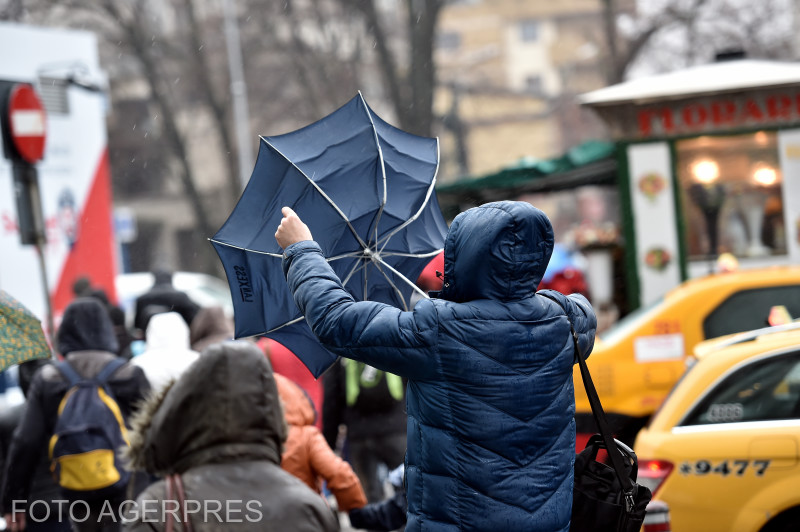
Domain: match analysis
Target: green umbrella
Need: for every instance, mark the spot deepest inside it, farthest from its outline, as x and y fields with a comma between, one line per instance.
x=21, y=334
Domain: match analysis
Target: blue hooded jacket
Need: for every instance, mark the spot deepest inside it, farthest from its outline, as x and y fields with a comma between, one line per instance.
x=490, y=400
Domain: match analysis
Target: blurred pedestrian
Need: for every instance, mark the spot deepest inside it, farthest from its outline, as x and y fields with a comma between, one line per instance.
x=86, y=340
x=82, y=287
x=370, y=404
x=491, y=429
x=44, y=517
x=285, y=363
x=210, y=326
x=163, y=297
x=167, y=353
x=216, y=436
x=308, y=456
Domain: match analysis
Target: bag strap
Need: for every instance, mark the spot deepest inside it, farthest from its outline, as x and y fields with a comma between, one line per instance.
x=109, y=370
x=69, y=373
x=599, y=415
x=175, y=491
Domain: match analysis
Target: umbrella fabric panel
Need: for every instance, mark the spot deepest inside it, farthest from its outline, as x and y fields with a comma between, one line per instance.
x=341, y=149
x=256, y=297
x=410, y=164
x=299, y=339
x=252, y=222
x=21, y=334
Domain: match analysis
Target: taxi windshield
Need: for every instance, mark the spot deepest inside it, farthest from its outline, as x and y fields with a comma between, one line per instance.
x=631, y=322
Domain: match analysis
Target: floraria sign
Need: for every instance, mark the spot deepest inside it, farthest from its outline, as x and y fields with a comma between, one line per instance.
x=721, y=112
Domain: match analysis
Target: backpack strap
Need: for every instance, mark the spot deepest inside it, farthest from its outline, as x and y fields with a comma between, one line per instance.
x=69, y=373
x=109, y=370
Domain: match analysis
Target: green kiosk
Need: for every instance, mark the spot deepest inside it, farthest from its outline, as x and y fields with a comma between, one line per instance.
x=708, y=162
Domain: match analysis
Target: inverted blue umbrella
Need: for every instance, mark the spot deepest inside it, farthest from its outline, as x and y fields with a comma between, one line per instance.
x=365, y=190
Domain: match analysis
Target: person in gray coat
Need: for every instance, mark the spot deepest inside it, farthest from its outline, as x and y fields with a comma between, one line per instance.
x=215, y=437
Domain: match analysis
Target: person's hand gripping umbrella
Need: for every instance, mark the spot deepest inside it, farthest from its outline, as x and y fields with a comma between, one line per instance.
x=291, y=230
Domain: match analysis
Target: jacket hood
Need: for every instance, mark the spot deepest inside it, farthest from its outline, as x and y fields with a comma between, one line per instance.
x=224, y=408
x=86, y=326
x=167, y=330
x=210, y=325
x=296, y=404
x=496, y=251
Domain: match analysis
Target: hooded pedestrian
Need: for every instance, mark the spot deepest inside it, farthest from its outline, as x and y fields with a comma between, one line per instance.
x=216, y=437
x=87, y=342
x=490, y=399
x=163, y=297
x=167, y=353
x=210, y=326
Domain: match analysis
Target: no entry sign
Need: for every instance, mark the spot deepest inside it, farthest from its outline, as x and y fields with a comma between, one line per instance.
x=26, y=120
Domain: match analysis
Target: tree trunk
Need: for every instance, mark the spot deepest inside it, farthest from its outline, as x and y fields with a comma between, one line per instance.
x=138, y=41
x=218, y=111
x=422, y=18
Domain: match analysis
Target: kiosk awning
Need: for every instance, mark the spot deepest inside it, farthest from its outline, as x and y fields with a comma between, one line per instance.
x=591, y=163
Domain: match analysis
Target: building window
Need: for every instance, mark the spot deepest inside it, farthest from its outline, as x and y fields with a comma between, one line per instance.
x=768, y=389
x=533, y=84
x=448, y=40
x=529, y=30
x=731, y=196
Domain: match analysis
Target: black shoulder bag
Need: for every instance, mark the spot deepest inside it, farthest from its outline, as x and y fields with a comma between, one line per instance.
x=604, y=499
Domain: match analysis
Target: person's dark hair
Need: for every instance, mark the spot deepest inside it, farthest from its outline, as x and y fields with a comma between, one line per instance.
x=82, y=286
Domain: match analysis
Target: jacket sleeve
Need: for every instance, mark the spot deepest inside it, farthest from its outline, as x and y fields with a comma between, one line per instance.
x=386, y=515
x=375, y=333
x=584, y=320
x=27, y=445
x=339, y=476
x=581, y=314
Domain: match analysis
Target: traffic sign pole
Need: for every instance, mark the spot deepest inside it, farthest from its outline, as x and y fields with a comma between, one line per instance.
x=24, y=129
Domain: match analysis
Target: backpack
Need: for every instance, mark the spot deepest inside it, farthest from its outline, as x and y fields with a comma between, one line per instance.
x=88, y=433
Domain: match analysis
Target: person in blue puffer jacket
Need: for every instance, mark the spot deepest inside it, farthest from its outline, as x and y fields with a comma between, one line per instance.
x=490, y=399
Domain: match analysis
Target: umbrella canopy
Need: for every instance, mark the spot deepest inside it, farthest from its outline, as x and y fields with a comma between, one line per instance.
x=21, y=334
x=365, y=189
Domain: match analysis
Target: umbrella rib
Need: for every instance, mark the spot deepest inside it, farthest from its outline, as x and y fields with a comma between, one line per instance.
x=401, y=276
x=402, y=226
x=322, y=193
x=345, y=256
x=359, y=265
x=415, y=255
x=276, y=255
x=391, y=283
x=383, y=171
x=292, y=322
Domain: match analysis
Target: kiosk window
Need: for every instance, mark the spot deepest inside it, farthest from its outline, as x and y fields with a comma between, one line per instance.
x=731, y=195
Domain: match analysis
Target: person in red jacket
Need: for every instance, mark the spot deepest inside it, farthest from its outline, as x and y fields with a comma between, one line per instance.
x=285, y=363
x=308, y=456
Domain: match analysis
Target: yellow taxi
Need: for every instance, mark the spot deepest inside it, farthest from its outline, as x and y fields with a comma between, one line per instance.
x=724, y=449
x=635, y=363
